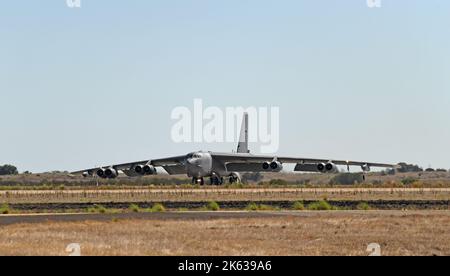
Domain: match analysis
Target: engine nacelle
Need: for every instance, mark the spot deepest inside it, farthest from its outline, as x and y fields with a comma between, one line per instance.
x=100, y=173
x=145, y=170
x=149, y=170
x=331, y=168
x=139, y=169
x=327, y=167
x=111, y=173
x=266, y=166
x=276, y=166
x=321, y=167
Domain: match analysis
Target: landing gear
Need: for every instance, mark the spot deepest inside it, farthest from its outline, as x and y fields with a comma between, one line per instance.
x=198, y=180
x=216, y=180
x=235, y=178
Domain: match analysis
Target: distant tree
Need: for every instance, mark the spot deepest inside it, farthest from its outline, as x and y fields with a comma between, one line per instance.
x=430, y=170
x=390, y=172
x=404, y=168
x=8, y=170
x=441, y=170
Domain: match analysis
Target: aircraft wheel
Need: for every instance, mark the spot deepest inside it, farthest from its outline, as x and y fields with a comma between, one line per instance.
x=215, y=180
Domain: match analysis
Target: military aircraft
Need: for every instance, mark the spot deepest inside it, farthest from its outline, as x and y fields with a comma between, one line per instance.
x=215, y=166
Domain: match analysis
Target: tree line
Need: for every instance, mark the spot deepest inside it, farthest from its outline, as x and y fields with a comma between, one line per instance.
x=8, y=170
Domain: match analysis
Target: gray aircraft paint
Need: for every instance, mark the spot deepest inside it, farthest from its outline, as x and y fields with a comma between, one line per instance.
x=217, y=165
x=243, y=138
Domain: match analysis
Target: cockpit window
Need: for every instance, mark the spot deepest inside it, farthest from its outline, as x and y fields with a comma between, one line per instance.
x=194, y=155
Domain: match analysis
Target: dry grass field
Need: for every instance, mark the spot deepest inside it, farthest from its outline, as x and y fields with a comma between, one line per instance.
x=206, y=195
x=305, y=233
x=376, y=179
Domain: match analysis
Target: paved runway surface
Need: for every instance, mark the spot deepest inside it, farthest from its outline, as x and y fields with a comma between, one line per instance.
x=42, y=218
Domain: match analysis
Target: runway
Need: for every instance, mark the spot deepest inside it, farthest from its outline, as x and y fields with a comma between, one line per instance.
x=42, y=218
x=192, y=216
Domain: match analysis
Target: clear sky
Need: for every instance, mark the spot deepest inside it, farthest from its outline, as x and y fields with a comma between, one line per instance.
x=96, y=85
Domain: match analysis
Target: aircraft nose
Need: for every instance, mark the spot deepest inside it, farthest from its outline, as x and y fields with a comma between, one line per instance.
x=192, y=161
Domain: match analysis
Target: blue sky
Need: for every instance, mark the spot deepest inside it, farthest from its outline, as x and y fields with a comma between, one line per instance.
x=96, y=85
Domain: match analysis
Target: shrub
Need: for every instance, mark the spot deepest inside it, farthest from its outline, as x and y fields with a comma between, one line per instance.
x=158, y=208
x=97, y=209
x=213, y=206
x=298, y=206
x=260, y=207
x=4, y=209
x=363, y=206
x=320, y=206
x=252, y=207
x=134, y=208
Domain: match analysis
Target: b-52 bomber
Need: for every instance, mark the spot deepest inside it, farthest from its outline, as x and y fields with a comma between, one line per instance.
x=218, y=166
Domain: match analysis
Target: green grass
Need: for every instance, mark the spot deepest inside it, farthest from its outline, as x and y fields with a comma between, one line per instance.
x=252, y=207
x=321, y=205
x=363, y=206
x=298, y=206
x=213, y=206
x=260, y=207
x=4, y=209
x=97, y=209
x=158, y=208
x=134, y=208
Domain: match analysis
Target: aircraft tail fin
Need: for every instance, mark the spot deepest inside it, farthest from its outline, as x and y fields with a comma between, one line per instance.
x=243, y=138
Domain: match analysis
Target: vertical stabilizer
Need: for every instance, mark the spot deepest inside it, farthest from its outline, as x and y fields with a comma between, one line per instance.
x=243, y=138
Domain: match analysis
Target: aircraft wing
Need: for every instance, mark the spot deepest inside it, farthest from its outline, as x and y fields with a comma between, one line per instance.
x=236, y=159
x=173, y=165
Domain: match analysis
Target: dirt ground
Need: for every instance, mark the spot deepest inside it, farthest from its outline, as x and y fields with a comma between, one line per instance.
x=296, y=233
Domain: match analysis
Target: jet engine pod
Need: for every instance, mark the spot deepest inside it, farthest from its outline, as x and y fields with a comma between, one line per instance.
x=149, y=170
x=331, y=167
x=101, y=173
x=111, y=173
x=321, y=167
x=266, y=166
x=139, y=169
x=276, y=166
